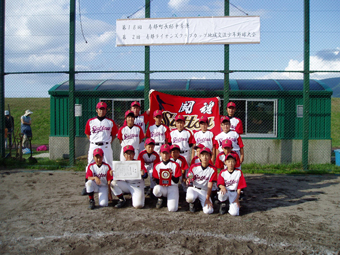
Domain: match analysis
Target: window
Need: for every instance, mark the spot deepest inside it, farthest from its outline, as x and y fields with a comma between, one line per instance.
x=259, y=116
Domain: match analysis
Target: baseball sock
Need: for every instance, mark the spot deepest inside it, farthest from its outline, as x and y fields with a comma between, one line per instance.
x=91, y=196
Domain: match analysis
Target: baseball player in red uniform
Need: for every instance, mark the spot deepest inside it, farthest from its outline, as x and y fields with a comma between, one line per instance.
x=166, y=175
x=204, y=137
x=149, y=158
x=98, y=177
x=230, y=182
x=130, y=134
x=158, y=132
x=134, y=187
x=231, y=135
x=101, y=131
x=227, y=146
x=201, y=175
x=176, y=157
x=182, y=137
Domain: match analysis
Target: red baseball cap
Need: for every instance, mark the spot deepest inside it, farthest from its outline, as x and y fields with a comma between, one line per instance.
x=135, y=103
x=98, y=151
x=174, y=147
x=199, y=146
x=128, y=148
x=231, y=104
x=227, y=143
x=165, y=148
x=206, y=149
x=179, y=117
x=149, y=141
x=228, y=156
x=101, y=105
x=129, y=112
x=157, y=113
x=203, y=119
x=225, y=118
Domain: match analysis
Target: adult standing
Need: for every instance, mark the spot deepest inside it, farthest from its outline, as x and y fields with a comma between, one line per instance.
x=101, y=131
x=26, y=127
x=9, y=124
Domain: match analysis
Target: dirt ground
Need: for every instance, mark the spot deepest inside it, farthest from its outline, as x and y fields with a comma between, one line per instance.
x=44, y=213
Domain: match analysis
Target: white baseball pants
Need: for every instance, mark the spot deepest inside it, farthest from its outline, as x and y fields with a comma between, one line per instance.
x=135, y=188
x=108, y=154
x=171, y=192
x=102, y=190
x=234, y=210
x=194, y=193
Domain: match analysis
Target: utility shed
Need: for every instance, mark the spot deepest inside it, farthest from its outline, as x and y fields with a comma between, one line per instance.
x=278, y=103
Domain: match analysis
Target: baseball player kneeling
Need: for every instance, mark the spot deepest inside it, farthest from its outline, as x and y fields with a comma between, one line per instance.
x=98, y=175
x=202, y=176
x=230, y=182
x=134, y=187
x=166, y=174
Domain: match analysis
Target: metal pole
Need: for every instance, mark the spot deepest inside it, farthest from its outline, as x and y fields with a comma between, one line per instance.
x=306, y=105
x=2, y=78
x=72, y=123
x=147, y=63
x=226, y=65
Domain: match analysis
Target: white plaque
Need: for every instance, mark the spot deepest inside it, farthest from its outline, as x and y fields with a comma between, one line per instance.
x=126, y=170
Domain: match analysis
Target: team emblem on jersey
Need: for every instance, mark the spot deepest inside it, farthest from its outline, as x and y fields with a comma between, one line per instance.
x=165, y=177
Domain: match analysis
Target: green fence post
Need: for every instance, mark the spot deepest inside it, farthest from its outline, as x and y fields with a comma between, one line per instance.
x=226, y=65
x=147, y=63
x=71, y=122
x=306, y=89
x=2, y=78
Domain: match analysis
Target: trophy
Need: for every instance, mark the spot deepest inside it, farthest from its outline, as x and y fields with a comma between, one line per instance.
x=191, y=178
x=165, y=177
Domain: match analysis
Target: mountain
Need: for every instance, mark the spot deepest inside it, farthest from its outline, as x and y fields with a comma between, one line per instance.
x=334, y=84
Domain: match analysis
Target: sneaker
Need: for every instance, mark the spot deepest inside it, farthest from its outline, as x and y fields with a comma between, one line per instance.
x=159, y=203
x=120, y=203
x=83, y=192
x=192, y=207
x=223, y=208
x=92, y=204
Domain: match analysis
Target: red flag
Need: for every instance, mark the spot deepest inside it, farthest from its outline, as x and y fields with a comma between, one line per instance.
x=191, y=108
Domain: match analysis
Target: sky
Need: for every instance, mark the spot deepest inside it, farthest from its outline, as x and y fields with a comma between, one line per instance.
x=37, y=40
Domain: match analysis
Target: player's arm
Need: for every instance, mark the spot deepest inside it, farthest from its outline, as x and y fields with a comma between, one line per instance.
x=242, y=155
x=94, y=178
x=88, y=137
x=237, y=201
x=213, y=155
x=207, y=198
x=221, y=184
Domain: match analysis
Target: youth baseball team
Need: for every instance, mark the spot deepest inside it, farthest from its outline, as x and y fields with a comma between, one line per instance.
x=214, y=173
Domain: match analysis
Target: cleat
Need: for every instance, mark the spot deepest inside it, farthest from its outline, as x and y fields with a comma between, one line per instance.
x=92, y=204
x=159, y=203
x=223, y=208
x=192, y=207
x=120, y=203
x=83, y=192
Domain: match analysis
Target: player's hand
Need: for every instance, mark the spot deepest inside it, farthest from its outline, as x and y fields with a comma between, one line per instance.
x=208, y=202
x=187, y=182
x=223, y=190
x=97, y=180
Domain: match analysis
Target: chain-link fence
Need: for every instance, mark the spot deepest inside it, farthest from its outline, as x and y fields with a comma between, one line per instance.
x=265, y=80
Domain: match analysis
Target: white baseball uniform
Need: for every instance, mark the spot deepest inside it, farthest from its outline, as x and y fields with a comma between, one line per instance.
x=130, y=136
x=149, y=160
x=101, y=133
x=160, y=134
x=171, y=192
x=232, y=181
x=141, y=121
x=184, y=167
x=202, y=176
x=206, y=138
x=103, y=173
x=182, y=139
x=134, y=187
